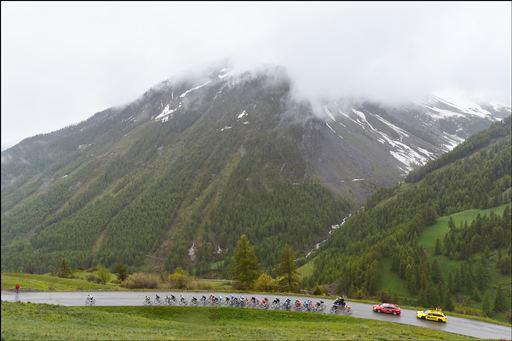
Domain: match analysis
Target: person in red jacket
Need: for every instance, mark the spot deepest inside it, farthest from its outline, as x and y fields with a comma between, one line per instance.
x=17, y=287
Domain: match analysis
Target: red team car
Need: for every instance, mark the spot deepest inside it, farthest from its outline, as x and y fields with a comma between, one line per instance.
x=387, y=308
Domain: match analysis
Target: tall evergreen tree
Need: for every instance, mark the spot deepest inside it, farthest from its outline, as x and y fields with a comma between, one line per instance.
x=288, y=270
x=438, y=250
x=64, y=270
x=482, y=273
x=487, y=305
x=451, y=283
x=451, y=224
x=436, y=273
x=245, y=267
x=122, y=271
x=447, y=300
x=499, y=302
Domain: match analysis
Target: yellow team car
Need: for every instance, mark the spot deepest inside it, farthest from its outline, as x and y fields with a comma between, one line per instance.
x=432, y=315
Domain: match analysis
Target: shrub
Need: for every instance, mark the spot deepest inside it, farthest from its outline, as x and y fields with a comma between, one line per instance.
x=318, y=291
x=122, y=271
x=385, y=296
x=179, y=279
x=468, y=311
x=201, y=286
x=103, y=274
x=265, y=282
x=92, y=278
x=140, y=280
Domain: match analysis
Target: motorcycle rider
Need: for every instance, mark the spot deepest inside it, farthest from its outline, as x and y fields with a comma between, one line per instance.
x=340, y=301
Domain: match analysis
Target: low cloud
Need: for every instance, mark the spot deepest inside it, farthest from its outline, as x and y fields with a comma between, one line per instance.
x=63, y=62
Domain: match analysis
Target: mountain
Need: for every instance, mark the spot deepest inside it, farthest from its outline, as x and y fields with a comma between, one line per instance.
x=442, y=235
x=173, y=178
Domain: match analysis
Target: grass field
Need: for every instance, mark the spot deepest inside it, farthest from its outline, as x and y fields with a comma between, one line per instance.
x=214, y=284
x=47, y=282
x=440, y=228
x=34, y=282
x=390, y=281
x=21, y=321
x=307, y=269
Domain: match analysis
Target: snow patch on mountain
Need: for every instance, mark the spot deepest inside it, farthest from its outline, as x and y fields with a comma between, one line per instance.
x=398, y=130
x=242, y=115
x=194, y=88
x=362, y=116
x=329, y=113
x=224, y=73
x=451, y=141
x=164, y=115
x=333, y=131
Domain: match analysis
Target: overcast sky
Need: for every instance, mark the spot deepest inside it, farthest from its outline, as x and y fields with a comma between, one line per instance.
x=62, y=62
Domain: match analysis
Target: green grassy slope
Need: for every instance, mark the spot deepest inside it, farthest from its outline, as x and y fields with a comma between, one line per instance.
x=31, y=322
x=48, y=282
x=35, y=282
x=440, y=228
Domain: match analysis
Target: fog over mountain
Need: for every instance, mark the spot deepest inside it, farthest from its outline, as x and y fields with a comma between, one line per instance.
x=62, y=62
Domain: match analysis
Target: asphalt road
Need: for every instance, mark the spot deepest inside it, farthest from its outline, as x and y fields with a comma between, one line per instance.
x=116, y=298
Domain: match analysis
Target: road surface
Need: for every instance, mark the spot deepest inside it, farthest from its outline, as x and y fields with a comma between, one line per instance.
x=456, y=325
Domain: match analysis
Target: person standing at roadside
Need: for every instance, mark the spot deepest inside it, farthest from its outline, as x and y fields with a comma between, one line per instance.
x=17, y=288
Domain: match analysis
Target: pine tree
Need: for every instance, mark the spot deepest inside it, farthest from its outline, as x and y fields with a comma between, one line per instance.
x=122, y=271
x=482, y=273
x=246, y=267
x=451, y=224
x=457, y=280
x=436, y=273
x=504, y=264
x=447, y=302
x=438, y=250
x=288, y=270
x=487, y=305
x=451, y=283
x=499, y=302
x=64, y=269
